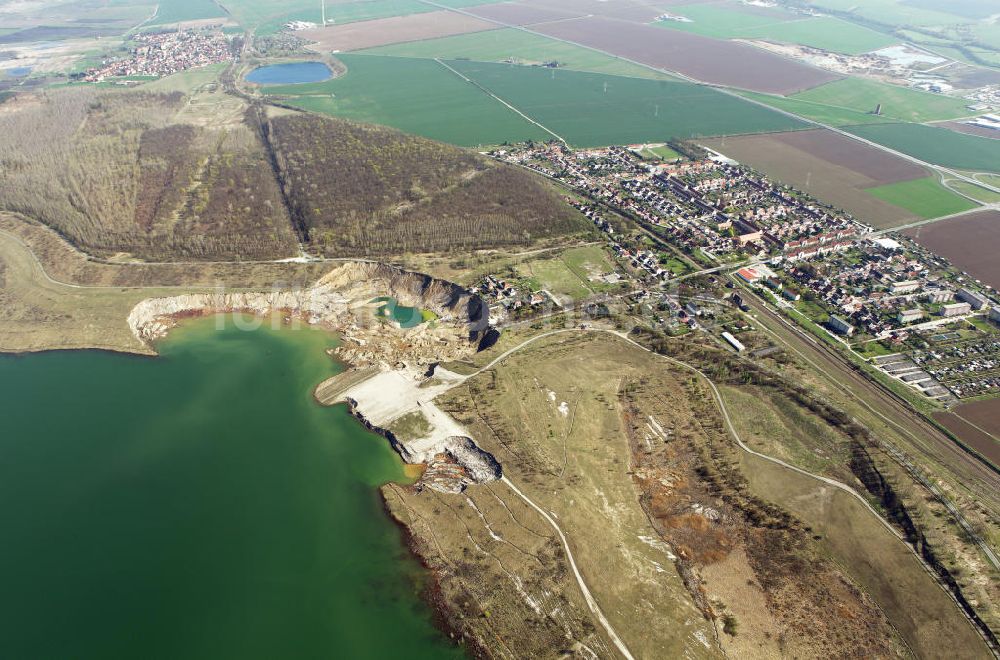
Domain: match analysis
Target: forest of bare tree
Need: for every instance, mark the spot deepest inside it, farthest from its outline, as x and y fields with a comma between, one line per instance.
x=359, y=189
x=120, y=172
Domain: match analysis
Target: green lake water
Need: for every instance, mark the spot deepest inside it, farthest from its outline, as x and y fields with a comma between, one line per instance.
x=198, y=505
x=406, y=317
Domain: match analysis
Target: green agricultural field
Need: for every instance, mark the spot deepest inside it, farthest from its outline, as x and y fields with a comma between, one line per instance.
x=589, y=109
x=888, y=12
x=826, y=33
x=253, y=13
x=975, y=192
x=575, y=273
x=519, y=46
x=187, y=81
x=176, y=11
x=988, y=33
x=663, y=152
x=968, y=9
x=723, y=20
x=459, y=4
x=822, y=113
x=268, y=17
x=897, y=102
x=936, y=145
x=349, y=12
x=926, y=197
x=589, y=263
x=554, y=276
x=731, y=21
x=417, y=96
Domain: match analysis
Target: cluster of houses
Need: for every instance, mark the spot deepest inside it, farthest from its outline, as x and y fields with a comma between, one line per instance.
x=499, y=293
x=884, y=290
x=750, y=214
x=967, y=368
x=165, y=53
x=712, y=204
x=899, y=294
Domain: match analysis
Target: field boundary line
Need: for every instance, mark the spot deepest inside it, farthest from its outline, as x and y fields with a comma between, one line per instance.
x=500, y=100
x=731, y=91
x=975, y=426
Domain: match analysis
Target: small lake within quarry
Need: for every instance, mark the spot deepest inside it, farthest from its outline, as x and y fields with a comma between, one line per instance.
x=199, y=505
x=290, y=73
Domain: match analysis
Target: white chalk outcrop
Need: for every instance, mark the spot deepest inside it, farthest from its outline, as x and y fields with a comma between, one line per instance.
x=341, y=301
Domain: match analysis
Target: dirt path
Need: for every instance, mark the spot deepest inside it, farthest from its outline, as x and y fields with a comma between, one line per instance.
x=591, y=603
x=720, y=402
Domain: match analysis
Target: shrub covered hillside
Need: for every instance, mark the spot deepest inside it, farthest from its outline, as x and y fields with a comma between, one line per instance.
x=116, y=172
x=356, y=189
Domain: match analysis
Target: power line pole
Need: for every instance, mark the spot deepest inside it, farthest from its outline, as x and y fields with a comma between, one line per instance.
x=322, y=4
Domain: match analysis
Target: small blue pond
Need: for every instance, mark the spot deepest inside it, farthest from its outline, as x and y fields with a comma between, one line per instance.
x=293, y=72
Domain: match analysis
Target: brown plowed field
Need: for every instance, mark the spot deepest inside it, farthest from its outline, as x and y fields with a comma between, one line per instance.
x=515, y=13
x=708, y=60
x=980, y=131
x=971, y=242
x=827, y=174
x=385, y=31
x=878, y=165
x=985, y=415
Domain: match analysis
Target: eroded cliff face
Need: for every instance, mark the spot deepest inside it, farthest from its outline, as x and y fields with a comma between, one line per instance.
x=341, y=302
x=446, y=299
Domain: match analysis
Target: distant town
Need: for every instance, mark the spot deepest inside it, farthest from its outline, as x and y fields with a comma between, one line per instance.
x=163, y=53
x=904, y=310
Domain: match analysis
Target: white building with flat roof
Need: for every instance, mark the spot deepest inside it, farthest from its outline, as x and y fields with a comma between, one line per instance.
x=977, y=300
x=734, y=342
x=956, y=309
x=840, y=326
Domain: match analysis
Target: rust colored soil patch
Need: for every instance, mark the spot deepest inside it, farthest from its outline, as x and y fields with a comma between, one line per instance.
x=516, y=13
x=708, y=60
x=970, y=242
x=879, y=166
x=826, y=180
x=385, y=31
x=985, y=415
